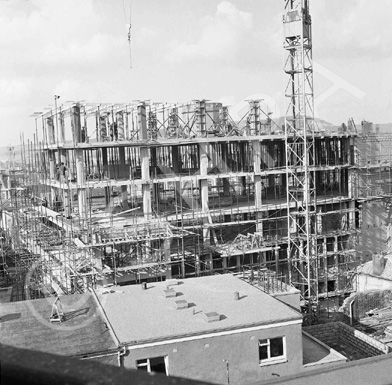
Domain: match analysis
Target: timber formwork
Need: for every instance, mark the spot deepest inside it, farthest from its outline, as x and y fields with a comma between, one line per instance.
x=134, y=193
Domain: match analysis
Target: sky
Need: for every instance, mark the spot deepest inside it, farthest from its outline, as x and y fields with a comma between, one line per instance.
x=222, y=50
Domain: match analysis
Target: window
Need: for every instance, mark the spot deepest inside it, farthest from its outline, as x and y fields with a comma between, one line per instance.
x=156, y=365
x=272, y=350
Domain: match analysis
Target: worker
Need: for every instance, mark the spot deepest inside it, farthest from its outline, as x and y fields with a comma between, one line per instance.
x=83, y=134
x=263, y=191
x=115, y=131
x=58, y=172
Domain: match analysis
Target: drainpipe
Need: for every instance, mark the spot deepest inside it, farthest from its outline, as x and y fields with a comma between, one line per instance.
x=351, y=312
x=121, y=353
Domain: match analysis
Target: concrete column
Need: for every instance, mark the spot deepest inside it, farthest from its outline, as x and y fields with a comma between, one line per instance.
x=50, y=130
x=123, y=173
x=174, y=126
x=166, y=247
x=204, y=191
x=319, y=222
x=200, y=106
x=336, y=250
x=257, y=181
x=81, y=183
x=52, y=175
x=62, y=127
x=225, y=161
x=105, y=172
x=75, y=123
x=52, y=165
x=255, y=113
x=197, y=265
x=325, y=257
x=124, y=197
x=120, y=125
x=67, y=203
x=224, y=118
x=177, y=169
x=276, y=255
x=145, y=162
x=224, y=263
x=352, y=185
x=105, y=167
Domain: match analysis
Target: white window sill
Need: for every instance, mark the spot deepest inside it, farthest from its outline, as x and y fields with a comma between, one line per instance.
x=273, y=362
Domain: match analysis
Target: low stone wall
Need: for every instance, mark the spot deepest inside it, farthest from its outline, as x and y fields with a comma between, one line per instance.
x=334, y=334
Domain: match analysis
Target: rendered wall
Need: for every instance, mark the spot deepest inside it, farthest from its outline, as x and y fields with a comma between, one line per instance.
x=368, y=282
x=375, y=229
x=204, y=359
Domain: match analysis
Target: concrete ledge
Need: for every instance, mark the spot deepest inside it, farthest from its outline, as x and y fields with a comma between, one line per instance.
x=374, y=370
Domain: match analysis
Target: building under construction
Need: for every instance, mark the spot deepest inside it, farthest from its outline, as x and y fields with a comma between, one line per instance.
x=139, y=192
x=129, y=193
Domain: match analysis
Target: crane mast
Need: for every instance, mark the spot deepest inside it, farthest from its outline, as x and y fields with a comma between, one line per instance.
x=300, y=149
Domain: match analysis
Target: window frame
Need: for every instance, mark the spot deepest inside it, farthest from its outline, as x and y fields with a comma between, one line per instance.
x=147, y=364
x=272, y=360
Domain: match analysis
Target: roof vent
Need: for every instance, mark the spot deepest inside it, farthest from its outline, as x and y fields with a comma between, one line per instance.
x=236, y=296
x=212, y=316
x=182, y=304
x=171, y=282
x=170, y=293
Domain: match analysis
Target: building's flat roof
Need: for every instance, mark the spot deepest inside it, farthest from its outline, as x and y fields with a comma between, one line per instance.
x=26, y=324
x=138, y=315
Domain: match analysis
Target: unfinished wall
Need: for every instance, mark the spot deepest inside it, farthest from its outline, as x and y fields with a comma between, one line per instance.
x=365, y=301
x=346, y=340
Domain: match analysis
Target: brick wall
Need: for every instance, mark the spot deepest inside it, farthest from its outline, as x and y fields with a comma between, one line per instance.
x=336, y=334
x=365, y=301
x=324, y=332
x=368, y=345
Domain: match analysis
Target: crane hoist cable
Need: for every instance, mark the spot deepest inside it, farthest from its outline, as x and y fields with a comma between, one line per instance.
x=128, y=22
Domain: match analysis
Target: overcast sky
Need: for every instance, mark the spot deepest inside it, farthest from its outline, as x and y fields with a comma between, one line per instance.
x=188, y=49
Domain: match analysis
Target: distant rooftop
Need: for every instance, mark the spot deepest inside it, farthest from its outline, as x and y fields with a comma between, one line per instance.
x=26, y=324
x=138, y=315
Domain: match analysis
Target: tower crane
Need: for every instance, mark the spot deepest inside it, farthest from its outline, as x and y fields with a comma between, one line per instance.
x=300, y=150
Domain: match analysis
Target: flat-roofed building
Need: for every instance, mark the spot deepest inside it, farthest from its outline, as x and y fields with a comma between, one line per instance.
x=216, y=328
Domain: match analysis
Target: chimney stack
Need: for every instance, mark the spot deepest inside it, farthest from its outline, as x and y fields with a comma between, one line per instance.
x=378, y=264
